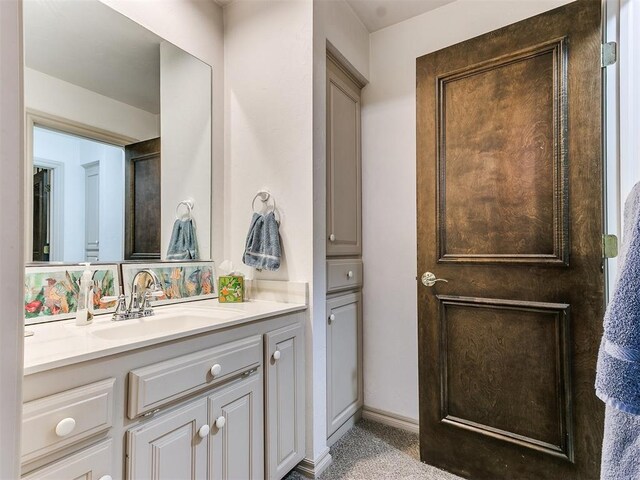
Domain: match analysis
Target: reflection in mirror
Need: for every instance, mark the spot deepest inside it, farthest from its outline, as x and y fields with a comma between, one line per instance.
x=118, y=134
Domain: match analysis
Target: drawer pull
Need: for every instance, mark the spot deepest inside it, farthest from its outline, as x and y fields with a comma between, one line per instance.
x=349, y=274
x=277, y=355
x=65, y=427
x=215, y=370
x=332, y=238
x=332, y=317
x=106, y=477
x=220, y=422
x=203, y=431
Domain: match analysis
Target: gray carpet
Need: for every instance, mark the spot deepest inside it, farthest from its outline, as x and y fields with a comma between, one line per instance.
x=371, y=451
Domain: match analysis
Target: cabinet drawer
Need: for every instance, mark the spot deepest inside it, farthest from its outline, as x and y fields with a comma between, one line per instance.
x=159, y=384
x=94, y=462
x=343, y=274
x=60, y=420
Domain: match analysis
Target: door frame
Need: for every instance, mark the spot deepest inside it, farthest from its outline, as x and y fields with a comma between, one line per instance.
x=56, y=199
x=35, y=118
x=621, y=116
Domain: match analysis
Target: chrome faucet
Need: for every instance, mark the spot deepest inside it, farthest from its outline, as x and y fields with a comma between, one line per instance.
x=140, y=304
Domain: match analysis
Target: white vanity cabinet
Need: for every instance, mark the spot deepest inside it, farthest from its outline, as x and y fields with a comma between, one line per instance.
x=236, y=441
x=170, y=446
x=226, y=404
x=284, y=366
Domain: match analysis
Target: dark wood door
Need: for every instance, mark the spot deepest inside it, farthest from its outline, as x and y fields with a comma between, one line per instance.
x=509, y=211
x=142, y=205
x=41, y=214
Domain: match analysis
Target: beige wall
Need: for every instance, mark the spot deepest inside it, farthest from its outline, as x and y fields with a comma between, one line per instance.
x=335, y=23
x=196, y=27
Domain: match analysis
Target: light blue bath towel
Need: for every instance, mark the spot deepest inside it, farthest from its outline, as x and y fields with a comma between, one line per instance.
x=262, y=248
x=184, y=242
x=618, y=376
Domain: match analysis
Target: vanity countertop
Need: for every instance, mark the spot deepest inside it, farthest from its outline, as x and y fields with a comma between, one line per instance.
x=62, y=343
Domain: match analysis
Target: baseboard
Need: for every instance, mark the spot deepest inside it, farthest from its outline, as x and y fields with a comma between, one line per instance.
x=391, y=419
x=344, y=428
x=313, y=468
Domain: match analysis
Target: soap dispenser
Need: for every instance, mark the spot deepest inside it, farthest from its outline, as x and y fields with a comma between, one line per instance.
x=84, y=311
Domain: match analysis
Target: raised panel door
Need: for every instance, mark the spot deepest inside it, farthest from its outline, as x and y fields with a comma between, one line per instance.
x=285, y=414
x=344, y=223
x=169, y=447
x=344, y=359
x=236, y=438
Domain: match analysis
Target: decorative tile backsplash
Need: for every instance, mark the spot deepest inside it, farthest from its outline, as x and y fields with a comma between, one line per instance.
x=51, y=292
x=180, y=281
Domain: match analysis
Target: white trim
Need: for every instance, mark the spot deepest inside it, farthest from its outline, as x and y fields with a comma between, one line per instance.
x=391, y=419
x=622, y=115
x=611, y=136
x=11, y=236
x=314, y=468
x=56, y=221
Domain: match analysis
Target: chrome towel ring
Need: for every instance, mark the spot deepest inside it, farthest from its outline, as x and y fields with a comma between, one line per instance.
x=190, y=205
x=264, y=197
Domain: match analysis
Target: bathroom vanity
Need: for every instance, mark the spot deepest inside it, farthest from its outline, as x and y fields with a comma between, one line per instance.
x=199, y=390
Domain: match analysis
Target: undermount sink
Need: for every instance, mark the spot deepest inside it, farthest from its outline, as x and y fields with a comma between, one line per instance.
x=162, y=324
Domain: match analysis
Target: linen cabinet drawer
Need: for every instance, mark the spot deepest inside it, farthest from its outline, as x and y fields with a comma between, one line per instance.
x=57, y=421
x=343, y=274
x=162, y=383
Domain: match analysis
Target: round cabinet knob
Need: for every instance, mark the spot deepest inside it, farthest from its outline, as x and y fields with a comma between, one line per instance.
x=277, y=355
x=332, y=317
x=332, y=238
x=349, y=274
x=204, y=431
x=220, y=422
x=65, y=427
x=216, y=369
x=106, y=477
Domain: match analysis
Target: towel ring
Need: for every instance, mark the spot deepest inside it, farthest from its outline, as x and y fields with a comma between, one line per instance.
x=189, y=205
x=264, y=197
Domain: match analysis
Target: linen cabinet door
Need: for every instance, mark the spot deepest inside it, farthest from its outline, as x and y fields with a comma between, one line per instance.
x=172, y=446
x=237, y=432
x=344, y=359
x=284, y=364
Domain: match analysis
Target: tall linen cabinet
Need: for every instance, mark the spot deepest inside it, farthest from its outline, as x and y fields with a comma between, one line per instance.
x=344, y=252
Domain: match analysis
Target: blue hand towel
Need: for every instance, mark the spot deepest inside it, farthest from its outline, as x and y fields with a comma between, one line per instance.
x=262, y=248
x=184, y=242
x=618, y=375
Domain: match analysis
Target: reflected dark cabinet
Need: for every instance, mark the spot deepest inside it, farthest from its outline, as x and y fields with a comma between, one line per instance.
x=142, y=205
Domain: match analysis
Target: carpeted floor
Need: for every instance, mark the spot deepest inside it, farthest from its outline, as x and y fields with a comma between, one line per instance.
x=371, y=451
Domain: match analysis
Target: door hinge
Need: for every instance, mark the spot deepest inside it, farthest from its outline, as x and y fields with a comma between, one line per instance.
x=609, y=246
x=608, y=54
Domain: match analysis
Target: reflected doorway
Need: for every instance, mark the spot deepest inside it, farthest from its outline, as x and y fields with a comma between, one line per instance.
x=78, y=198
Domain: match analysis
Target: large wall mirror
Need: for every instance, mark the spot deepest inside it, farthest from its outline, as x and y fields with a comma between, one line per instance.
x=118, y=136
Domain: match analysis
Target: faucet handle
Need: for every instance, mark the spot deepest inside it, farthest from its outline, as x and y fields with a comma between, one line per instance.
x=121, y=306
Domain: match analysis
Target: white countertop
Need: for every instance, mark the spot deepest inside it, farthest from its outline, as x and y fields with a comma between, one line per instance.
x=57, y=344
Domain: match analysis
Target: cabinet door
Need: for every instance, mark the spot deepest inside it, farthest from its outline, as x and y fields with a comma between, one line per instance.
x=169, y=447
x=344, y=359
x=344, y=224
x=284, y=364
x=237, y=431
x=93, y=463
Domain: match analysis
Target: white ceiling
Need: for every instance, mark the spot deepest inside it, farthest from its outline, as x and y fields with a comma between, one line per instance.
x=377, y=14
x=90, y=45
